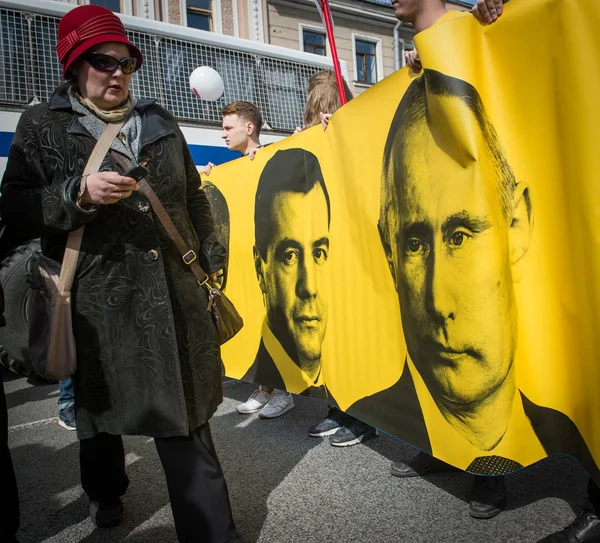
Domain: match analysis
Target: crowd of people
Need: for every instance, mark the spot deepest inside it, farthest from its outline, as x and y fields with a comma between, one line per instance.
x=121, y=357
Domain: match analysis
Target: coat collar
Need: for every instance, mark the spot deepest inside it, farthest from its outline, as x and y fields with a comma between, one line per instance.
x=154, y=127
x=60, y=98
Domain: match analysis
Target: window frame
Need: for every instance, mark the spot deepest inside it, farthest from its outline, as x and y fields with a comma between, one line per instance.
x=126, y=6
x=216, y=23
x=378, y=59
x=315, y=30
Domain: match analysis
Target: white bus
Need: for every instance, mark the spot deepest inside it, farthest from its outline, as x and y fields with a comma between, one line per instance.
x=273, y=77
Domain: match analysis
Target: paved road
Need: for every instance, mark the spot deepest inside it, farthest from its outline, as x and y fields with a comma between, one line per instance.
x=285, y=486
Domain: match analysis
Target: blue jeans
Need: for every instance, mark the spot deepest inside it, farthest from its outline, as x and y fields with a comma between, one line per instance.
x=66, y=397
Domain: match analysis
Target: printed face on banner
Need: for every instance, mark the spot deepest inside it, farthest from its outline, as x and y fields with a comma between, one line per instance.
x=451, y=231
x=291, y=254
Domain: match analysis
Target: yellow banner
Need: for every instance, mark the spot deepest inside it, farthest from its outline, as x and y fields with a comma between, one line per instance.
x=430, y=262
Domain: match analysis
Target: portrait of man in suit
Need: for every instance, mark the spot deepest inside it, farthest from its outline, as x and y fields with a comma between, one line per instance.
x=456, y=226
x=291, y=220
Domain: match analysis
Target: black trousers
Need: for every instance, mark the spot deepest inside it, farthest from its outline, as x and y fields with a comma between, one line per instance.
x=9, y=496
x=197, y=489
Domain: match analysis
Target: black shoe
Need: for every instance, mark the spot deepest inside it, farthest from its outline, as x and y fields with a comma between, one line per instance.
x=422, y=464
x=353, y=432
x=584, y=529
x=106, y=514
x=330, y=424
x=488, y=496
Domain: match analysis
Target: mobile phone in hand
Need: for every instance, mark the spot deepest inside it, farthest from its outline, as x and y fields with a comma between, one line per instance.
x=138, y=172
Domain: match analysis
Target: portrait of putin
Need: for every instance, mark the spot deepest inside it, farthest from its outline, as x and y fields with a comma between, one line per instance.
x=456, y=224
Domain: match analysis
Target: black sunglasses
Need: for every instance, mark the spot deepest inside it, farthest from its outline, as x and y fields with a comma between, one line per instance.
x=106, y=63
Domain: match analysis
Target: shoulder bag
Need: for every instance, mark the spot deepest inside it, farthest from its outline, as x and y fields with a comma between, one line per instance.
x=51, y=339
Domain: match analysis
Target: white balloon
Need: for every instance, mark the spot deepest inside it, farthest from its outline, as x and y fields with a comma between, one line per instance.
x=206, y=83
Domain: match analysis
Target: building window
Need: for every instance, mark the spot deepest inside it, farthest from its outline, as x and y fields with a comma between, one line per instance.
x=366, y=62
x=314, y=42
x=199, y=14
x=113, y=5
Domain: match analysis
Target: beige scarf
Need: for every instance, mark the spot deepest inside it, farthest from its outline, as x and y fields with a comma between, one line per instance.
x=111, y=115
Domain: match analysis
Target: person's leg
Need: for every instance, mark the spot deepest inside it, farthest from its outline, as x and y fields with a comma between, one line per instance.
x=420, y=465
x=197, y=488
x=586, y=526
x=279, y=403
x=488, y=496
x=257, y=400
x=66, y=392
x=9, y=496
x=352, y=432
x=103, y=477
x=66, y=405
x=332, y=422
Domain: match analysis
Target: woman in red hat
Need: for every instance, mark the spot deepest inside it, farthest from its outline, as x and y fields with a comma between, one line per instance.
x=147, y=349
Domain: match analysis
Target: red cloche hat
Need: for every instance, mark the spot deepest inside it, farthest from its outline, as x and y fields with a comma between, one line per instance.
x=86, y=26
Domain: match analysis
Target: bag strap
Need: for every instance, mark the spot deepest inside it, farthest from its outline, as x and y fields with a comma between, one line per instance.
x=69, y=263
x=188, y=256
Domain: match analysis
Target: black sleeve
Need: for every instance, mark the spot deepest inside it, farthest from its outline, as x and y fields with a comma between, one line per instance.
x=30, y=200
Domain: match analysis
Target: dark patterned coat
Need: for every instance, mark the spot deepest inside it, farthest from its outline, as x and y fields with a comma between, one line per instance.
x=148, y=354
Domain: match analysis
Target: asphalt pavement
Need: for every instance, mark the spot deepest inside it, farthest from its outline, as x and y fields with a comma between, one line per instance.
x=285, y=486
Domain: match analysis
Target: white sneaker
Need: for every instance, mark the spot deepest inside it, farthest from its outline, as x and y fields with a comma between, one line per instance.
x=279, y=403
x=256, y=402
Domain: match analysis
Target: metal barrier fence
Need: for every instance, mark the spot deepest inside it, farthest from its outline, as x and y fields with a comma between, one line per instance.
x=31, y=72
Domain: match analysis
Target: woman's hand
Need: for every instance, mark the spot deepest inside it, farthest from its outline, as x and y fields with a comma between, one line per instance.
x=105, y=188
x=325, y=119
x=413, y=61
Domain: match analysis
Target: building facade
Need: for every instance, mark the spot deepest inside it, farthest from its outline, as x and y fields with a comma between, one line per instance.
x=368, y=36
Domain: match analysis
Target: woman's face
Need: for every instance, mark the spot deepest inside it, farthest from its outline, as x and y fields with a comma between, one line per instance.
x=106, y=90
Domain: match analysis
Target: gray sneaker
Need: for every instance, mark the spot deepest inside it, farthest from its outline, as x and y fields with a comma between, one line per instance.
x=256, y=402
x=279, y=403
